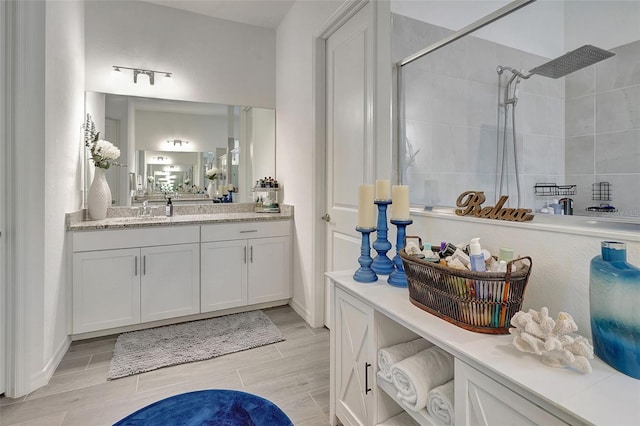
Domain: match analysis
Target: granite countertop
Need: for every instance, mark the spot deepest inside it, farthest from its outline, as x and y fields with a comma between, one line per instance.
x=125, y=217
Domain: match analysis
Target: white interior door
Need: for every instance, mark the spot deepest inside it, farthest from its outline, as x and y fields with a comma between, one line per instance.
x=349, y=137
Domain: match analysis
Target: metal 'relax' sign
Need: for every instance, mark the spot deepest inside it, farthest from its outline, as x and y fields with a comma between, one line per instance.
x=470, y=203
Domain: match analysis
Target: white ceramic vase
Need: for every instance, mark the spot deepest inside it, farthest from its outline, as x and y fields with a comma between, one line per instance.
x=99, y=197
x=211, y=189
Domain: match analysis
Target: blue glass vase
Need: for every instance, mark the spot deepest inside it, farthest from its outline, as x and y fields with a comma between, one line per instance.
x=614, y=293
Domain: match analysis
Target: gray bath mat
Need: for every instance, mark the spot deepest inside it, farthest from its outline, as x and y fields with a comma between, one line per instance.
x=146, y=350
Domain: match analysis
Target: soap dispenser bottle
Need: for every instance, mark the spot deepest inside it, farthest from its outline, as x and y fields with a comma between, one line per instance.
x=169, y=208
x=476, y=257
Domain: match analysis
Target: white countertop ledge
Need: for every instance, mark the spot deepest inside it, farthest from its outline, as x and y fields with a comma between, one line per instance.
x=603, y=227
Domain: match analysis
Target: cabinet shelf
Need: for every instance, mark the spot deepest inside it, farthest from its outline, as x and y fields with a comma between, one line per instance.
x=274, y=207
x=422, y=417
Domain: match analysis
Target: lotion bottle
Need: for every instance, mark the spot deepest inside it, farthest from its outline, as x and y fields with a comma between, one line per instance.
x=476, y=257
x=169, y=208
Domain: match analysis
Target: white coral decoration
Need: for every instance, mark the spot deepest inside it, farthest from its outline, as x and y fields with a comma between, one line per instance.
x=536, y=332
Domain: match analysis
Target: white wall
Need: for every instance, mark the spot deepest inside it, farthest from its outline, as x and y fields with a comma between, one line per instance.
x=537, y=28
x=64, y=106
x=44, y=162
x=212, y=60
x=607, y=24
x=547, y=28
x=294, y=134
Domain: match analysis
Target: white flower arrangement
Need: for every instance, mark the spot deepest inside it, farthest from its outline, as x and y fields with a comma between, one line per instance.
x=103, y=153
x=150, y=179
x=187, y=181
x=212, y=173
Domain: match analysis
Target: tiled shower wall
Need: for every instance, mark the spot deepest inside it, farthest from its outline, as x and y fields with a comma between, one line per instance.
x=450, y=111
x=603, y=130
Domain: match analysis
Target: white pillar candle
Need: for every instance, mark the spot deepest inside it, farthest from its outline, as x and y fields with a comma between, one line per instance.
x=400, y=202
x=366, y=208
x=383, y=189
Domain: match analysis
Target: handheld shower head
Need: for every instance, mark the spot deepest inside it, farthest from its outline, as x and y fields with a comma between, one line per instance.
x=572, y=61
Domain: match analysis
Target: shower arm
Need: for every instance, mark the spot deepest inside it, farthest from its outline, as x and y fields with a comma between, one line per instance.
x=500, y=69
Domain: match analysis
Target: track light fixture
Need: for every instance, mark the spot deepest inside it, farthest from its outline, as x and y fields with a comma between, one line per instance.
x=137, y=71
x=178, y=142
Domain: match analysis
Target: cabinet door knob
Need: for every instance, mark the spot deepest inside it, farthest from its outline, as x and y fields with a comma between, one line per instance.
x=367, y=389
x=326, y=217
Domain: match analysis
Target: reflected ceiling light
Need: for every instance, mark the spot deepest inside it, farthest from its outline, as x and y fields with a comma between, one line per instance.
x=178, y=142
x=137, y=71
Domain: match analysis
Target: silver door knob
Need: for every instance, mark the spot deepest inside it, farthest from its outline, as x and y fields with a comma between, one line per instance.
x=326, y=217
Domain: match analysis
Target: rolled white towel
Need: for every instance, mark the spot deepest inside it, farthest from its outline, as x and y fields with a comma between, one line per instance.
x=440, y=403
x=415, y=376
x=402, y=419
x=389, y=356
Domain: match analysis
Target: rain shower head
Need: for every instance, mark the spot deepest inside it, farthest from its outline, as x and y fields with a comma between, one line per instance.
x=572, y=61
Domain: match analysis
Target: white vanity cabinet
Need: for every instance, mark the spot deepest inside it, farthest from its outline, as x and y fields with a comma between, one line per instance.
x=126, y=277
x=245, y=263
x=494, y=383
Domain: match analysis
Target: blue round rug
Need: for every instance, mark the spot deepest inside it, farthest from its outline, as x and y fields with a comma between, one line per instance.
x=218, y=407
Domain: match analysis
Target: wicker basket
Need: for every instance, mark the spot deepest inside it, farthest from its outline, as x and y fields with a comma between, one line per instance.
x=483, y=302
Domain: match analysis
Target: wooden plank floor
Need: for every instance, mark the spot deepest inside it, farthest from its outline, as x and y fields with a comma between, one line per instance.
x=293, y=374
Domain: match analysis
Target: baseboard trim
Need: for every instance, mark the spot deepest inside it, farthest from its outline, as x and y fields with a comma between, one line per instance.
x=42, y=377
x=303, y=312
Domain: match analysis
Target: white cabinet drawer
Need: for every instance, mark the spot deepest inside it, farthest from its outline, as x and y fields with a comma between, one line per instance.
x=244, y=230
x=140, y=237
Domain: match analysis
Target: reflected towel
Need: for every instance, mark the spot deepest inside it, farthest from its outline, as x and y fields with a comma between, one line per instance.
x=402, y=419
x=415, y=376
x=440, y=403
x=389, y=356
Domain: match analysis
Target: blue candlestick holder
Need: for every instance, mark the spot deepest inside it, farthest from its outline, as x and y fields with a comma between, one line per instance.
x=398, y=278
x=365, y=274
x=382, y=265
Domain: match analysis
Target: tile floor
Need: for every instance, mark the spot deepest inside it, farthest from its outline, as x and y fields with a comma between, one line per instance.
x=294, y=374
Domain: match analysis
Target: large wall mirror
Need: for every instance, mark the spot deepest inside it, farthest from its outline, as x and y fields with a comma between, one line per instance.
x=167, y=146
x=465, y=126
